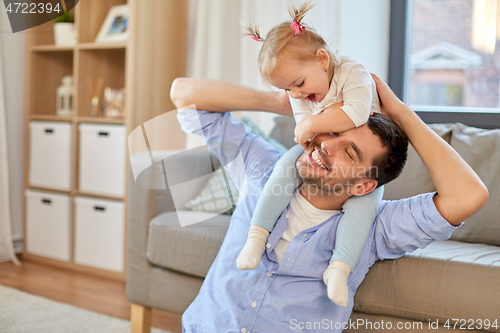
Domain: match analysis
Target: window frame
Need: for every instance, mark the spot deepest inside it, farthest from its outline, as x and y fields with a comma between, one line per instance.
x=399, y=50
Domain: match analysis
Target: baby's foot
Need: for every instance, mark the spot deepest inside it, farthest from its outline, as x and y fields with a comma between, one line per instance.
x=250, y=255
x=335, y=278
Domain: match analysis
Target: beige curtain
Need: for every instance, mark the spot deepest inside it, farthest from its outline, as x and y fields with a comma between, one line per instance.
x=6, y=246
x=157, y=57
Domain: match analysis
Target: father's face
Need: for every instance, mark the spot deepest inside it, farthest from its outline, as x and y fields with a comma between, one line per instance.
x=334, y=161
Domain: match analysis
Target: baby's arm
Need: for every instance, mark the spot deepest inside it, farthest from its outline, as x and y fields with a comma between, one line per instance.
x=332, y=119
x=301, y=110
x=357, y=95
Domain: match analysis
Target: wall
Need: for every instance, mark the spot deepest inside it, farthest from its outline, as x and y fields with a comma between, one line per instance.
x=13, y=48
x=364, y=33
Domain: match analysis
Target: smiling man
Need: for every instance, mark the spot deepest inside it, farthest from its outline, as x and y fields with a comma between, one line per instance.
x=354, y=162
x=286, y=291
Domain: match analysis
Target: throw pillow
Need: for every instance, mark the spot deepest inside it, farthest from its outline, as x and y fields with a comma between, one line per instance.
x=257, y=130
x=220, y=196
x=415, y=179
x=480, y=148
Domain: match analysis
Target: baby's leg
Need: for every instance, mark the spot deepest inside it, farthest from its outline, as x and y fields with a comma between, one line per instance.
x=352, y=233
x=274, y=198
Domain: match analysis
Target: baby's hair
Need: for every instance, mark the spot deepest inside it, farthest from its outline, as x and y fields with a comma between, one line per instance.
x=298, y=14
x=283, y=41
x=253, y=32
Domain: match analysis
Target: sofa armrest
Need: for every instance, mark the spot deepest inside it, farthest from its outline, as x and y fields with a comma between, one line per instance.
x=142, y=203
x=148, y=196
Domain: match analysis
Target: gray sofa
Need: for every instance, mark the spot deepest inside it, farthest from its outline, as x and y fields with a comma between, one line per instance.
x=453, y=283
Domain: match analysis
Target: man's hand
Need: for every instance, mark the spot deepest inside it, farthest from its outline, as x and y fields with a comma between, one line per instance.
x=390, y=105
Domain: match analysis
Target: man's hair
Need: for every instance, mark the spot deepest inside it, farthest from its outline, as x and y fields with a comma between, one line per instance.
x=389, y=165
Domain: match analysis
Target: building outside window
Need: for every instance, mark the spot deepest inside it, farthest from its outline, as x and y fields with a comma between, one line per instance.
x=451, y=59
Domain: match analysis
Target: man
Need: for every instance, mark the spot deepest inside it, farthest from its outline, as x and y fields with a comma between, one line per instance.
x=286, y=291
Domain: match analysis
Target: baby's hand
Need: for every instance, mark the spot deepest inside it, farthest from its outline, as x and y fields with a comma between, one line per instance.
x=302, y=133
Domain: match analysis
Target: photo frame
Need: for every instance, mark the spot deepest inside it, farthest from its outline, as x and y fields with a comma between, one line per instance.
x=115, y=26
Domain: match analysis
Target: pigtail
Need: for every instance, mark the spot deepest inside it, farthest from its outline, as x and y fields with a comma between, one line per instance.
x=253, y=32
x=298, y=14
x=288, y=40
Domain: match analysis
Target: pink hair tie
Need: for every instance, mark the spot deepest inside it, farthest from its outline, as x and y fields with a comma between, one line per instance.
x=297, y=27
x=257, y=38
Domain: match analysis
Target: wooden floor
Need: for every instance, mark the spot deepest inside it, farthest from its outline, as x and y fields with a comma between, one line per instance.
x=84, y=291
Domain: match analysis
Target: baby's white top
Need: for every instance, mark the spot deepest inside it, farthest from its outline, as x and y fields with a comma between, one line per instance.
x=353, y=85
x=301, y=216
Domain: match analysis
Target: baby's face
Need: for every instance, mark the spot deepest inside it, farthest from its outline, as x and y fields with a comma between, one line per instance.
x=302, y=79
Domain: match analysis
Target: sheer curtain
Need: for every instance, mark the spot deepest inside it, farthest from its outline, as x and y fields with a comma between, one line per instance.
x=6, y=247
x=216, y=49
x=485, y=25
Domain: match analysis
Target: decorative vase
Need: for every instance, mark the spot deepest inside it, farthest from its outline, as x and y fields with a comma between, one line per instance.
x=64, y=33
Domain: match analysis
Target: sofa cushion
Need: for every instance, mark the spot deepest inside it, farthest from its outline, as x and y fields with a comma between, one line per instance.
x=219, y=195
x=191, y=249
x=258, y=131
x=481, y=150
x=415, y=179
x=446, y=280
x=283, y=131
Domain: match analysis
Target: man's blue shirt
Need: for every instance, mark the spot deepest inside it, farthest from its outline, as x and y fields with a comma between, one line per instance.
x=291, y=295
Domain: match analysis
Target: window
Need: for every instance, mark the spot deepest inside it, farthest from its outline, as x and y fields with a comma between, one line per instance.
x=438, y=95
x=445, y=61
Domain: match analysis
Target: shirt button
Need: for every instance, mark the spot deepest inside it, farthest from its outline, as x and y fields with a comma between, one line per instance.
x=287, y=216
x=268, y=245
x=244, y=330
x=254, y=304
x=269, y=274
x=287, y=261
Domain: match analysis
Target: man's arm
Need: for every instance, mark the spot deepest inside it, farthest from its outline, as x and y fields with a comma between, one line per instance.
x=220, y=96
x=225, y=136
x=460, y=191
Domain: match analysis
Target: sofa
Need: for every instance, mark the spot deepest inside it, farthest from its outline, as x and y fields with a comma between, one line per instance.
x=449, y=285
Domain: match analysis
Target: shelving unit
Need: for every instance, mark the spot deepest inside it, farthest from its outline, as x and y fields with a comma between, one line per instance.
x=146, y=65
x=46, y=64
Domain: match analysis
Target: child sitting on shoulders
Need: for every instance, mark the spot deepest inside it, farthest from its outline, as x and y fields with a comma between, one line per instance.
x=294, y=57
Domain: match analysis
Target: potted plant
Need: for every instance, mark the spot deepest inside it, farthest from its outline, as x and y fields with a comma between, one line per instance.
x=64, y=29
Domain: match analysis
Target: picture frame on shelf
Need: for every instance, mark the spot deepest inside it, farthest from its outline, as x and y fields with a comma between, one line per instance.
x=115, y=26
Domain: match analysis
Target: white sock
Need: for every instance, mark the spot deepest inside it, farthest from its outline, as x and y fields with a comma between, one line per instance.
x=335, y=278
x=250, y=255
